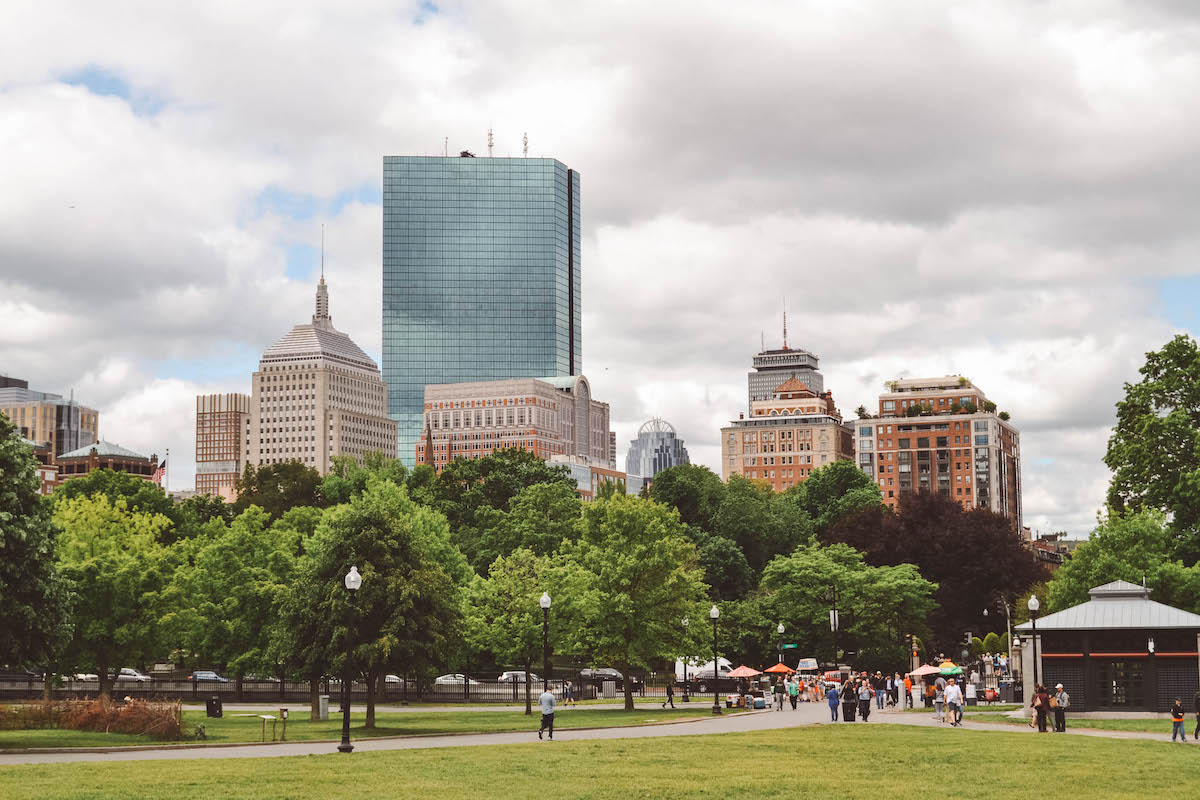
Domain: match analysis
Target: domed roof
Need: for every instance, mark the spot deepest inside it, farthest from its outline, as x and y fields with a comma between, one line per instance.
x=104, y=448
x=656, y=425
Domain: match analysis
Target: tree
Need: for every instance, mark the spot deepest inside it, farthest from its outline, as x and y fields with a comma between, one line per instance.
x=503, y=614
x=34, y=611
x=276, y=488
x=1004, y=415
x=539, y=519
x=834, y=491
x=117, y=572
x=989, y=407
x=726, y=570
x=991, y=643
x=969, y=407
x=1131, y=547
x=407, y=610
x=762, y=524
x=1154, y=450
x=973, y=556
x=694, y=491
x=348, y=477
x=629, y=580
x=976, y=646
x=140, y=495
x=913, y=411
x=862, y=413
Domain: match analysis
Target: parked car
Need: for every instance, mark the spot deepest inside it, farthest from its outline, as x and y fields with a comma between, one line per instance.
x=518, y=676
x=393, y=679
x=130, y=674
x=597, y=676
x=85, y=676
x=18, y=674
x=207, y=675
x=450, y=680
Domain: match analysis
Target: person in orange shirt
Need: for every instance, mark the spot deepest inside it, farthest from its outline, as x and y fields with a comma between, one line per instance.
x=907, y=692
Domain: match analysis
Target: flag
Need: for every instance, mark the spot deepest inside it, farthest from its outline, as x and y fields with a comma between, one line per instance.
x=160, y=473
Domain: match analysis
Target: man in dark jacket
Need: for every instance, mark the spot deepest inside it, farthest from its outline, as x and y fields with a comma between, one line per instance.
x=1196, y=703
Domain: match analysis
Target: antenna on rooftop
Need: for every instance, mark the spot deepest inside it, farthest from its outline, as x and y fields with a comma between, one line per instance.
x=525, y=144
x=446, y=147
x=489, y=141
x=785, y=347
x=322, y=252
x=762, y=341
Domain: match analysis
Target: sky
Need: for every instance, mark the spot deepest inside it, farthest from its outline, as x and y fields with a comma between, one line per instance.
x=1003, y=190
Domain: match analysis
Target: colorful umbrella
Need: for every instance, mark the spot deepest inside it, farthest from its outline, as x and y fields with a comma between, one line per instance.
x=744, y=672
x=780, y=667
x=925, y=669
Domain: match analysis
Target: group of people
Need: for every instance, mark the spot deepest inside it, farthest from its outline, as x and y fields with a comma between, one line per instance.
x=1043, y=703
x=864, y=691
x=1177, y=715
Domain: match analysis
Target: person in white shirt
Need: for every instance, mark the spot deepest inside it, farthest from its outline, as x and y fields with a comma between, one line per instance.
x=954, y=702
x=547, y=702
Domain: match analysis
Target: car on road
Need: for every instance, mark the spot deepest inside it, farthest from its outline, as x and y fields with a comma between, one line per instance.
x=389, y=678
x=85, y=676
x=18, y=674
x=128, y=674
x=456, y=679
x=207, y=675
x=598, y=676
x=518, y=676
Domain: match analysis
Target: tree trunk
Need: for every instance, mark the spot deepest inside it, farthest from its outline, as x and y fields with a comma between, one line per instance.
x=370, y=724
x=237, y=684
x=528, y=699
x=105, y=679
x=628, y=687
x=314, y=694
x=381, y=685
x=46, y=680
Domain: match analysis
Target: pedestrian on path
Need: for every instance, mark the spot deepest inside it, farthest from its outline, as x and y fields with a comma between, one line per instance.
x=547, y=702
x=1040, y=705
x=793, y=690
x=670, y=695
x=1177, y=722
x=939, y=698
x=908, y=698
x=879, y=683
x=954, y=703
x=569, y=694
x=1060, y=703
x=896, y=685
x=1196, y=703
x=864, y=699
x=831, y=696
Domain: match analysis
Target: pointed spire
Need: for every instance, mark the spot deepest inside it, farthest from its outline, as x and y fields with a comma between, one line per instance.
x=321, y=318
x=322, y=252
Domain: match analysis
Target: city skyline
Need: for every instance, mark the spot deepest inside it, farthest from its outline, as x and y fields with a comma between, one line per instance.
x=1003, y=202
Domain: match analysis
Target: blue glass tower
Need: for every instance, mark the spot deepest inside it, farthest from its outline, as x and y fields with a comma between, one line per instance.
x=481, y=265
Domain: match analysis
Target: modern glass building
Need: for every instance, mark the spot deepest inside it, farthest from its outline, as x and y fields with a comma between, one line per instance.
x=481, y=276
x=656, y=448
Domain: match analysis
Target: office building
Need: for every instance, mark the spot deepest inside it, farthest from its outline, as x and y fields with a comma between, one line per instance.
x=786, y=437
x=106, y=455
x=546, y=416
x=222, y=430
x=944, y=435
x=656, y=448
x=48, y=418
x=591, y=474
x=481, y=276
x=773, y=367
x=316, y=395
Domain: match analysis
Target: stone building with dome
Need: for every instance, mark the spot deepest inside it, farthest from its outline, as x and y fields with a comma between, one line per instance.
x=317, y=395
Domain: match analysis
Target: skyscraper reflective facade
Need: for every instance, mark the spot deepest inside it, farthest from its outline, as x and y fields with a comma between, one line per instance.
x=481, y=276
x=656, y=448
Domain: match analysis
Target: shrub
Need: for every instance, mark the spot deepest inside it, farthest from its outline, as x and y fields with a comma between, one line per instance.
x=991, y=643
x=153, y=718
x=976, y=645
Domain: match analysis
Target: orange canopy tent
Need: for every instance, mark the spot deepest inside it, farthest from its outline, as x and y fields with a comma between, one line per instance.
x=744, y=672
x=780, y=667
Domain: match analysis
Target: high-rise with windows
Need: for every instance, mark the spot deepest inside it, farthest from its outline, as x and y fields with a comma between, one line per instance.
x=481, y=276
x=222, y=426
x=942, y=435
x=45, y=418
x=657, y=447
x=773, y=367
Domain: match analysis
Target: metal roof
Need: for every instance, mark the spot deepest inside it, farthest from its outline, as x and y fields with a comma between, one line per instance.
x=1116, y=605
x=316, y=342
x=104, y=448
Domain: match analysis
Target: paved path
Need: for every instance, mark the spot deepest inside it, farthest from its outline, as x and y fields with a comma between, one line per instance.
x=302, y=709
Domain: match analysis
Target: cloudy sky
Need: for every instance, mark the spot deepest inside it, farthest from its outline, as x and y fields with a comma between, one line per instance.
x=1004, y=190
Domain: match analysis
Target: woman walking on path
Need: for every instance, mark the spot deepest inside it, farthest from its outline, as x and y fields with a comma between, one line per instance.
x=832, y=697
x=938, y=699
x=1040, y=705
x=1177, y=722
x=864, y=699
x=1196, y=703
x=793, y=690
x=1060, y=703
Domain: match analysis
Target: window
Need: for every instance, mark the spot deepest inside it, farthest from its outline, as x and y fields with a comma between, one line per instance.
x=905, y=444
x=889, y=405
x=981, y=440
x=923, y=442
x=981, y=426
x=864, y=431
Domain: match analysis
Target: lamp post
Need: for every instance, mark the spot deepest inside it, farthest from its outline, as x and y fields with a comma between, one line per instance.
x=713, y=613
x=831, y=596
x=779, y=630
x=1034, y=605
x=353, y=580
x=686, y=699
x=545, y=604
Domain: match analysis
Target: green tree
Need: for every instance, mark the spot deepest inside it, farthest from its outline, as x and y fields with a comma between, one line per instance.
x=348, y=477
x=408, y=609
x=991, y=643
x=34, y=611
x=1131, y=547
x=726, y=570
x=976, y=646
x=504, y=617
x=140, y=495
x=117, y=572
x=277, y=488
x=631, y=578
x=833, y=491
x=762, y=524
x=694, y=491
x=539, y=519
x=1154, y=450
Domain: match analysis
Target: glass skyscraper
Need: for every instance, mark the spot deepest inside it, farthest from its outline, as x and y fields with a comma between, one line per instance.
x=481, y=266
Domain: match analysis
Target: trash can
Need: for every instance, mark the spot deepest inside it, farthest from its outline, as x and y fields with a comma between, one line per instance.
x=212, y=706
x=608, y=689
x=849, y=710
x=323, y=707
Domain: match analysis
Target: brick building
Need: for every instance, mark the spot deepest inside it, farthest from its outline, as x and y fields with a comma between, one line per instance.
x=222, y=428
x=944, y=435
x=105, y=455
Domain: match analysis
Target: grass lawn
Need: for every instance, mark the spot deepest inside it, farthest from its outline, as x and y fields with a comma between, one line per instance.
x=247, y=727
x=1162, y=726
x=800, y=762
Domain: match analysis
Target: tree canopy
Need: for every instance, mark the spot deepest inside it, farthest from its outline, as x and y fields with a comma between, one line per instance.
x=276, y=488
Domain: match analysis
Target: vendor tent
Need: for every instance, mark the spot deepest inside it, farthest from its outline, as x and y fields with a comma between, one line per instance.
x=925, y=669
x=780, y=667
x=744, y=672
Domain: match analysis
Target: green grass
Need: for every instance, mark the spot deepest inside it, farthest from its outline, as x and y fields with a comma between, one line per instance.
x=1162, y=726
x=247, y=727
x=904, y=762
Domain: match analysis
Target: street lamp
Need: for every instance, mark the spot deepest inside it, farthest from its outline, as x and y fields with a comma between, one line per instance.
x=1034, y=605
x=353, y=580
x=686, y=699
x=713, y=613
x=831, y=596
x=545, y=604
x=779, y=630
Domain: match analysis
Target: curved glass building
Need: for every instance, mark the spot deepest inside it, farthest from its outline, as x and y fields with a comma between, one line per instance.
x=656, y=447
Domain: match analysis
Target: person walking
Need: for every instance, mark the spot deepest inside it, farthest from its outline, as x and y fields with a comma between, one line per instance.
x=896, y=686
x=939, y=698
x=793, y=690
x=954, y=702
x=1060, y=703
x=908, y=698
x=568, y=694
x=878, y=683
x=864, y=699
x=778, y=692
x=670, y=694
x=1177, y=722
x=547, y=702
x=1196, y=703
x=831, y=696
x=1040, y=704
